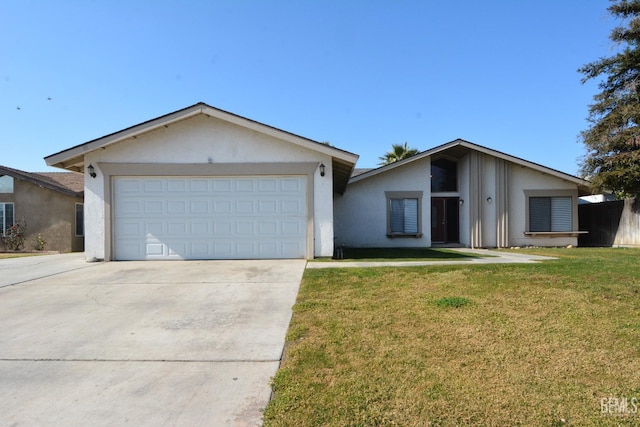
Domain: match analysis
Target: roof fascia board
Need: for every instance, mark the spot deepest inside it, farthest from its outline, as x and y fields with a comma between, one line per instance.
x=280, y=134
x=479, y=148
x=387, y=168
x=113, y=138
x=525, y=163
x=132, y=132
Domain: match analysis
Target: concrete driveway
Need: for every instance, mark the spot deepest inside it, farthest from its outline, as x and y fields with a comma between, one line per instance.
x=141, y=343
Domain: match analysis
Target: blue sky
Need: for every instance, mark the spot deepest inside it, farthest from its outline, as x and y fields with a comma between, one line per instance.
x=359, y=74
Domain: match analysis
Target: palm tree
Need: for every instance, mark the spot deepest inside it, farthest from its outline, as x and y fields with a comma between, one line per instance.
x=398, y=152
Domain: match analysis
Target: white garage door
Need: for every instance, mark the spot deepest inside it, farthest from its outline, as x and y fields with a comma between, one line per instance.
x=254, y=217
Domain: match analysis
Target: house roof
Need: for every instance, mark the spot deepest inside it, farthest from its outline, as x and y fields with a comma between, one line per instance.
x=459, y=148
x=72, y=158
x=69, y=183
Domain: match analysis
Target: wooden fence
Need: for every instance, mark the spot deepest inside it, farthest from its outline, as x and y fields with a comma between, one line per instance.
x=614, y=223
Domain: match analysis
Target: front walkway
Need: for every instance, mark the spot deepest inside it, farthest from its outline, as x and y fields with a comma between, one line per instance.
x=486, y=256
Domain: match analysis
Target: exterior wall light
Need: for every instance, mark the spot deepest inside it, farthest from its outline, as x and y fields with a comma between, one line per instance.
x=91, y=170
x=489, y=199
x=461, y=202
x=322, y=166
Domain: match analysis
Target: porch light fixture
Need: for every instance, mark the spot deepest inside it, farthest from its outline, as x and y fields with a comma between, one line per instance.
x=322, y=166
x=461, y=202
x=91, y=170
x=489, y=199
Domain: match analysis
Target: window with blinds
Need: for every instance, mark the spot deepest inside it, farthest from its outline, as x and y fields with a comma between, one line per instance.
x=550, y=214
x=404, y=216
x=6, y=217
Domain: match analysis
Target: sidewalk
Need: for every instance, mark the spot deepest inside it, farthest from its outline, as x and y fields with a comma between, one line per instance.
x=487, y=257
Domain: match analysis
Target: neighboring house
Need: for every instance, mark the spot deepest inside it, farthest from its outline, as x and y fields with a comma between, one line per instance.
x=203, y=183
x=50, y=204
x=459, y=193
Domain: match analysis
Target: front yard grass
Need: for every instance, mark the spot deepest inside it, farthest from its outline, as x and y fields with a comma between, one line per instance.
x=492, y=345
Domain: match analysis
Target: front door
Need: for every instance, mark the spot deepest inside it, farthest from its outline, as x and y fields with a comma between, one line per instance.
x=445, y=220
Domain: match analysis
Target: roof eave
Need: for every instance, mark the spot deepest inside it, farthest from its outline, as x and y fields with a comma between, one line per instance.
x=73, y=158
x=29, y=177
x=582, y=184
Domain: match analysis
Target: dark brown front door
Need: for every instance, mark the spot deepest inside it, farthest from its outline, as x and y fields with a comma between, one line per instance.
x=445, y=222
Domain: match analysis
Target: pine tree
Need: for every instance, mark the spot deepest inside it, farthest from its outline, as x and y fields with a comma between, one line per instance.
x=612, y=162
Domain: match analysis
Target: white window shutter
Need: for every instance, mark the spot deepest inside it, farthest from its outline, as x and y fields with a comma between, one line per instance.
x=411, y=216
x=397, y=216
x=561, y=215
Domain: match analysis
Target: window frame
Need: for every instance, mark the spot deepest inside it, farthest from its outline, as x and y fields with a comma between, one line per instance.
x=403, y=195
x=12, y=189
x=454, y=163
x=76, y=220
x=529, y=194
x=3, y=217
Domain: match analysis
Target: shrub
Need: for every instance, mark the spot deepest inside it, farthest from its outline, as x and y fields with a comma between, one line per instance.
x=14, y=236
x=40, y=243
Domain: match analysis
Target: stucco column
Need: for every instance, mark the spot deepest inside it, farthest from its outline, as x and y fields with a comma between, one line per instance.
x=502, y=203
x=475, y=193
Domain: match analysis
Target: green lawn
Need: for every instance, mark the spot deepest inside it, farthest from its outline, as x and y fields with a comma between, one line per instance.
x=497, y=345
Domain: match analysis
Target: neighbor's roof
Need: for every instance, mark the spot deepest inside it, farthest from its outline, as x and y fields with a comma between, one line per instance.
x=70, y=183
x=72, y=159
x=459, y=148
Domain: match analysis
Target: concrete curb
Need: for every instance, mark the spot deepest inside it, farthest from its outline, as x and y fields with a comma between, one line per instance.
x=490, y=257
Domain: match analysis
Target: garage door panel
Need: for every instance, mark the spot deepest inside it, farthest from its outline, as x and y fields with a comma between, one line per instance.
x=154, y=186
x=245, y=228
x=131, y=228
x=245, y=185
x=209, y=218
x=289, y=248
x=244, y=207
x=177, y=229
x=221, y=185
x=200, y=228
x=268, y=206
x=176, y=206
x=155, y=249
x=267, y=185
x=268, y=227
x=133, y=207
x=223, y=206
x=177, y=185
x=197, y=185
x=129, y=185
x=292, y=206
x=153, y=228
x=199, y=207
x=153, y=207
x=292, y=185
x=291, y=228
